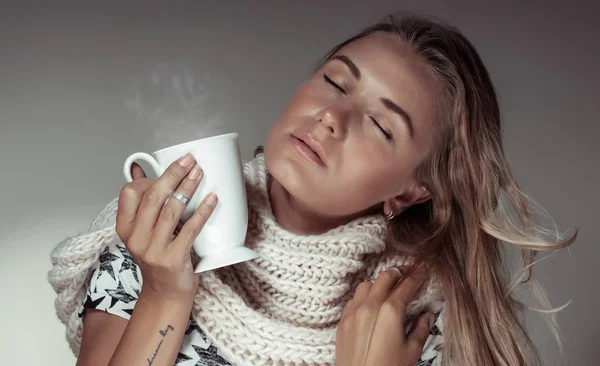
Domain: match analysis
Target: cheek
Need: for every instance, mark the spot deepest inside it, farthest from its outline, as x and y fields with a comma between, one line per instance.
x=373, y=179
x=373, y=171
x=360, y=176
x=296, y=111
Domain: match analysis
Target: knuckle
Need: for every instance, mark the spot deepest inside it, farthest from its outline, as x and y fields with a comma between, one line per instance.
x=134, y=249
x=170, y=265
x=203, y=212
x=403, y=300
x=190, y=231
x=134, y=253
x=168, y=213
x=390, y=310
x=175, y=171
x=151, y=259
x=152, y=197
x=364, y=312
x=128, y=192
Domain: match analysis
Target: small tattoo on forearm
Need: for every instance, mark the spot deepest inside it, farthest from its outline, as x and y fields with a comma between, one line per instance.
x=163, y=333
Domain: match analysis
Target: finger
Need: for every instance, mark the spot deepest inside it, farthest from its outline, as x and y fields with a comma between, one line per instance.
x=171, y=213
x=129, y=202
x=137, y=171
x=384, y=283
x=361, y=293
x=420, y=331
x=405, y=290
x=155, y=197
x=190, y=230
x=347, y=309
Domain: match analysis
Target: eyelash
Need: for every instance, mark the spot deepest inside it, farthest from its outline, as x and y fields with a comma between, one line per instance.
x=387, y=135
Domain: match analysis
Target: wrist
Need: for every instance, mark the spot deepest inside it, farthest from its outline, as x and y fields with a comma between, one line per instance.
x=159, y=300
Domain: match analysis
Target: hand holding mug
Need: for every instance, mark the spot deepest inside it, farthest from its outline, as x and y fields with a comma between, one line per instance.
x=145, y=223
x=221, y=241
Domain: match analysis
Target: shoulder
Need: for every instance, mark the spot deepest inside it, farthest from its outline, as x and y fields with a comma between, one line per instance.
x=432, y=351
x=196, y=347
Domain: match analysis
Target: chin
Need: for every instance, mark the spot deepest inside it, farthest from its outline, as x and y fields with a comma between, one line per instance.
x=285, y=167
x=282, y=160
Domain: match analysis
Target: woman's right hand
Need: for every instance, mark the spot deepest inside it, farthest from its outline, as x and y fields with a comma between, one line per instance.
x=146, y=225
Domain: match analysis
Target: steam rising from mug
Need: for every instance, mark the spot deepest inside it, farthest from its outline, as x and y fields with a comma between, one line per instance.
x=176, y=107
x=171, y=102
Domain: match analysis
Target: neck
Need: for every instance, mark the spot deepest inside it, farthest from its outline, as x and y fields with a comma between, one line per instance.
x=295, y=217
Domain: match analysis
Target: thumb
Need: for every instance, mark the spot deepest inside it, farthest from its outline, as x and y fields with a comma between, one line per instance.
x=420, y=331
x=137, y=171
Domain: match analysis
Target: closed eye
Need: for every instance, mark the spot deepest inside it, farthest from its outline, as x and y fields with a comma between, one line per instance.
x=386, y=134
x=333, y=83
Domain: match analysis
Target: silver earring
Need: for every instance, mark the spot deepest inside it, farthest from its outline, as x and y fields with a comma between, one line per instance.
x=390, y=216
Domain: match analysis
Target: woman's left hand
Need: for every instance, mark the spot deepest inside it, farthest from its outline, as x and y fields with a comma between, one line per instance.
x=372, y=330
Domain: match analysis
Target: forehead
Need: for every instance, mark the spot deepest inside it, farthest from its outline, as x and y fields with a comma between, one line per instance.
x=392, y=69
x=389, y=55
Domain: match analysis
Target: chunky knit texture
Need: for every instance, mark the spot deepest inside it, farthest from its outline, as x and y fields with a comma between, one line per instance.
x=278, y=309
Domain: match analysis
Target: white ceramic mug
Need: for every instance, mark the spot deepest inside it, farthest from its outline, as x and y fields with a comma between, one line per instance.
x=221, y=241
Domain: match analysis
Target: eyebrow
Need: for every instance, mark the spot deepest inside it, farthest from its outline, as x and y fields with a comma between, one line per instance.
x=386, y=102
x=351, y=65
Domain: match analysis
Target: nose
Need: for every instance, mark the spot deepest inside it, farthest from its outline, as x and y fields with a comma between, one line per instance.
x=335, y=118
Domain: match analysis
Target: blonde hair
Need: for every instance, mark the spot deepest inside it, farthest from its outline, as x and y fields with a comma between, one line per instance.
x=476, y=206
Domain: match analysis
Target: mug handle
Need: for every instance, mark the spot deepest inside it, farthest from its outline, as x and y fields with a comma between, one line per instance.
x=158, y=170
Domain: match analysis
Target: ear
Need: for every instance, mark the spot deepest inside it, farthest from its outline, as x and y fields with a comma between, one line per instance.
x=413, y=196
x=423, y=196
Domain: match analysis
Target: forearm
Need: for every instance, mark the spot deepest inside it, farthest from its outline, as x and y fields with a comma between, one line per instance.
x=154, y=333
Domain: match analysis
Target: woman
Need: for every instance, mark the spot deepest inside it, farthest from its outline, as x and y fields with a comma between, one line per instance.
x=388, y=162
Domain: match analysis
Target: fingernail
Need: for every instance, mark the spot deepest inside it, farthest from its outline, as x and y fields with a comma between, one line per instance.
x=397, y=269
x=186, y=160
x=195, y=173
x=211, y=199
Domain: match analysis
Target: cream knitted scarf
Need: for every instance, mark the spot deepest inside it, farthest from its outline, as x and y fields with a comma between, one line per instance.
x=279, y=309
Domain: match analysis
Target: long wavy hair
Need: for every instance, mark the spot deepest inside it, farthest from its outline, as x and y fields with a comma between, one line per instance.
x=476, y=206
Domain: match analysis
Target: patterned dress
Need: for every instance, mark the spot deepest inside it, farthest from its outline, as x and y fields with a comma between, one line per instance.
x=115, y=285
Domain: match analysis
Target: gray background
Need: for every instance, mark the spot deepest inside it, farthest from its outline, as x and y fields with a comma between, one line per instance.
x=69, y=115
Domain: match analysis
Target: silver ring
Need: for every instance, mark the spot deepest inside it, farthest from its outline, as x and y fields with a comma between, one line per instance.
x=370, y=279
x=183, y=199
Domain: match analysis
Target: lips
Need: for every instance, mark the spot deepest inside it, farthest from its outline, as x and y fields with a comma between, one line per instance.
x=313, y=145
x=313, y=150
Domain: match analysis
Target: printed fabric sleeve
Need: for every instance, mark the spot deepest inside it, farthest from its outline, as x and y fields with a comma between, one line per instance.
x=115, y=282
x=432, y=351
